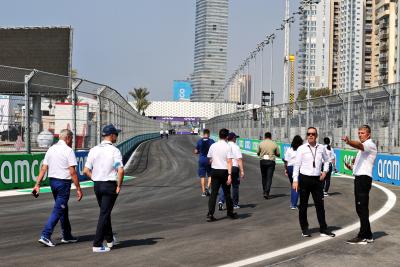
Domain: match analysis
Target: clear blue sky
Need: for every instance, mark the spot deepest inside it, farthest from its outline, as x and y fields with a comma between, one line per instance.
x=147, y=43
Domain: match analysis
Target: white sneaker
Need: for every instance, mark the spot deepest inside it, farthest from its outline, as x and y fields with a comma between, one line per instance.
x=69, y=240
x=46, y=241
x=113, y=243
x=101, y=249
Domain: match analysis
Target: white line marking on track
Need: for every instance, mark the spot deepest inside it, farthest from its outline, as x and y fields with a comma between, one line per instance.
x=390, y=202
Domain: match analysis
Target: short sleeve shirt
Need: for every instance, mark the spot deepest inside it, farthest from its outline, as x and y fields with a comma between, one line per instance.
x=236, y=153
x=104, y=161
x=59, y=158
x=203, y=146
x=267, y=150
x=219, y=153
x=365, y=160
x=290, y=156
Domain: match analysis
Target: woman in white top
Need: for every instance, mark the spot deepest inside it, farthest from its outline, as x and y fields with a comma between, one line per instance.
x=332, y=165
x=289, y=159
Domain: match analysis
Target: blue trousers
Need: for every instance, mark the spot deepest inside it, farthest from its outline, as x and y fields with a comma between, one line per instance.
x=294, y=196
x=61, y=190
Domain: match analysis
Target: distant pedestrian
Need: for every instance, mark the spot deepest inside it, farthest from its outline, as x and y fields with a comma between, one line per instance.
x=237, y=173
x=204, y=170
x=161, y=133
x=221, y=163
x=166, y=133
x=59, y=162
x=268, y=150
x=104, y=166
x=332, y=165
x=290, y=159
x=307, y=178
x=362, y=171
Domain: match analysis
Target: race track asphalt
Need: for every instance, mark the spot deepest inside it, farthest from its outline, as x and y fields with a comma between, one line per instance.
x=160, y=219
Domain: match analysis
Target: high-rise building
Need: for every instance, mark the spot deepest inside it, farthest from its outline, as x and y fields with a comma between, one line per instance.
x=240, y=89
x=314, y=46
x=385, y=34
x=351, y=45
x=334, y=55
x=210, y=52
x=369, y=44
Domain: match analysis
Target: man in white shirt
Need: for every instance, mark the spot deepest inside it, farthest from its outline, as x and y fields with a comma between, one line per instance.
x=104, y=166
x=221, y=163
x=307, y=179
x=362, y=171
x=237, y=172
x=59, y=162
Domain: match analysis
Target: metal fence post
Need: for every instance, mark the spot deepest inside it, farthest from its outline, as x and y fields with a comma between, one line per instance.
x=74, y=101
x=396, y=116
x=98, y=115
x=27, y=134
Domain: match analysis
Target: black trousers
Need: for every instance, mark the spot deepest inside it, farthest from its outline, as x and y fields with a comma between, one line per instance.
x=307, y=185
x=362, y=186
x=267, y=171
x=106, y=197
x=219, y=178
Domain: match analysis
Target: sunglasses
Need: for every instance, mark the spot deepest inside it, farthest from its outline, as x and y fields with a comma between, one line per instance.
x=311, y=134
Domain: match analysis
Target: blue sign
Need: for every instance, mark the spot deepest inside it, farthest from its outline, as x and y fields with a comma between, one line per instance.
x=387, y=169
x=182, y=90
x=81, y=157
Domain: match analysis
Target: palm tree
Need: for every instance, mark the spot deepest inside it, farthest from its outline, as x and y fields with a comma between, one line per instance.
x=140, y=94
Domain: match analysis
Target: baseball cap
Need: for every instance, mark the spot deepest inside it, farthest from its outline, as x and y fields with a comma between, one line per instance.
x=232, y=135
x=110, y=129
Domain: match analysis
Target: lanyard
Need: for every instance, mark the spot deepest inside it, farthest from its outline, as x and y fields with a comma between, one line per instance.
x=314, y=155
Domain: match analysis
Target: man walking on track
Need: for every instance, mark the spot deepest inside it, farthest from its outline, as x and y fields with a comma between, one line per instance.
x=104, y=166
x=221, y=163
x=60, y=163
x=202, y=147
x=268, y=150
x=362, y=171
x=307, y=178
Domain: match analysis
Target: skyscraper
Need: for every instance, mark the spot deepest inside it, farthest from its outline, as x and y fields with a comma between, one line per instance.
x=314, y=46
x=210, y=51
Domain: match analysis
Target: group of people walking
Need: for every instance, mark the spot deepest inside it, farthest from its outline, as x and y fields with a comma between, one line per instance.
x=308, y=165
x=103, y=166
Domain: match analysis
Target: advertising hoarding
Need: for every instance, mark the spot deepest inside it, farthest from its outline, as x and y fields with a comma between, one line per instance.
x=182, y=90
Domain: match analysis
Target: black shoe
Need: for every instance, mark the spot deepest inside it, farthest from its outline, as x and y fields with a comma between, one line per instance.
x=327, y=233
x=211, y=218
x=232, y=215
x=266, y=196
x=306, y=233
x=207, y=192
x=220, y=206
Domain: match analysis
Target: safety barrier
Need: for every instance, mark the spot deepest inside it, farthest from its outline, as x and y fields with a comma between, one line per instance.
x=386, y=168
x=19, y=171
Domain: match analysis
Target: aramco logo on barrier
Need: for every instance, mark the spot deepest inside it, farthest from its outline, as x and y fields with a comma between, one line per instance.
x=388, y=168
x=19, y=171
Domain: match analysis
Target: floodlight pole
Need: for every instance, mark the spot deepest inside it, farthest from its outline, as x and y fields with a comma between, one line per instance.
x=27, y=133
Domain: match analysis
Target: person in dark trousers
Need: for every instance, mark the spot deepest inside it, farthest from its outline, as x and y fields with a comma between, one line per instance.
x=307, y=178
x=268, y=150
x=237, y=173
x=60, y=163
x=290, y=159
x=332, y=163
x=221, y=163
x=204, y=170
x=104, y=166
x=362, y=171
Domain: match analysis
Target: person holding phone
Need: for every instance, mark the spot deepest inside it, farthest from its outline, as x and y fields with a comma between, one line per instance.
x=362, y=171
x=60, y=163
x=307, y=177
x=104, y=166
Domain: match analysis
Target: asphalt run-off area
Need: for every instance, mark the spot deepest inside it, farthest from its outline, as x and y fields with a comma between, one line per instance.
x=160, y=219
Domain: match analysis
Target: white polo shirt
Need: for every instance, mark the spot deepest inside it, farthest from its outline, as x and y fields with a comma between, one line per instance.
x=365, y=159
x=236, y=153
x=104, y=161
x=219, y=153
x=305, y=156
x=59, y=158
x=330, y=153
x=290, y=156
